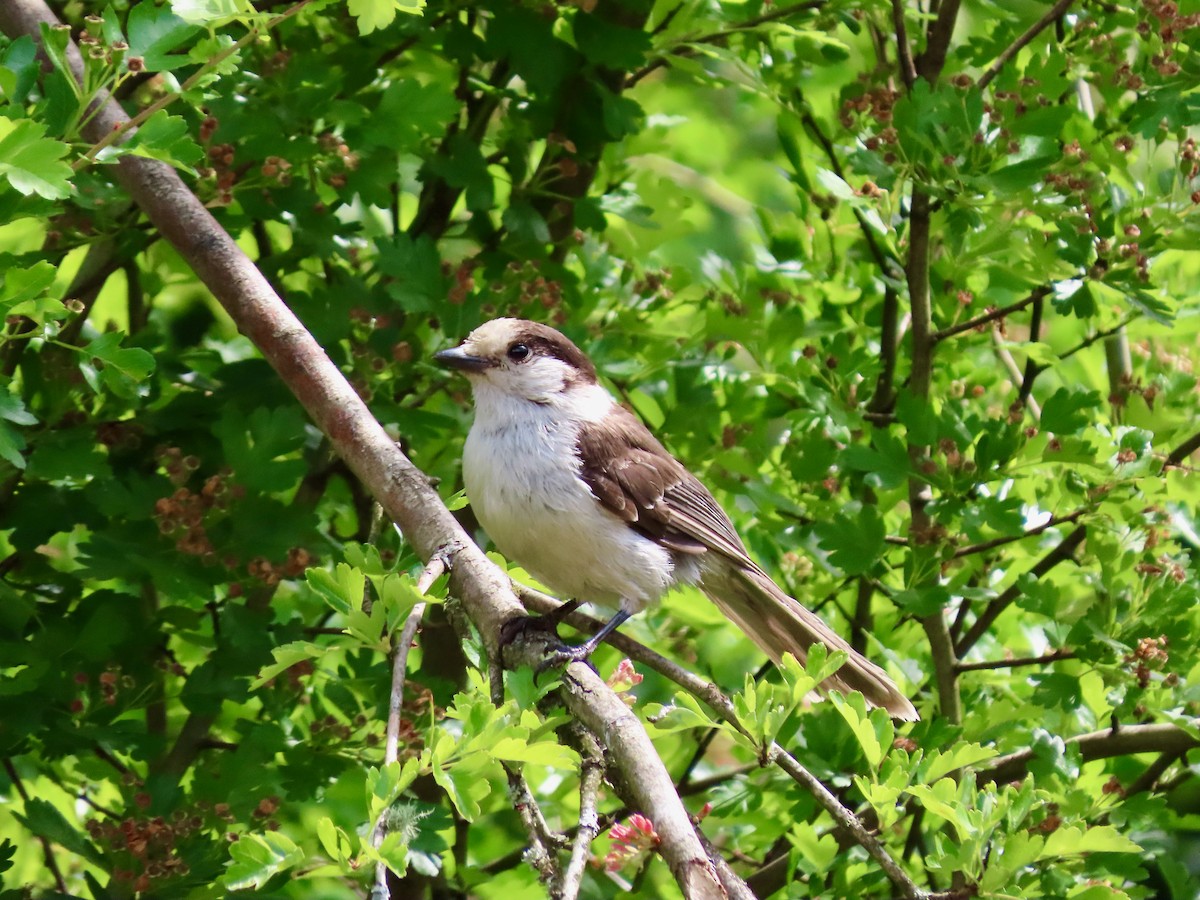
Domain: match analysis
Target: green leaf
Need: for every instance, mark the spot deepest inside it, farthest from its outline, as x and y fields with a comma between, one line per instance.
x=163, y=137
x=118, y=368
x=43, y=819
x=32, y=163
x=386, y=783
x=544, y=753
x=1074, y=840
x=286, y=657
x=209, y=12
x=375, y=14
x=24, y=284
x=256, y=859
x=854, y=539
x=343, y=591
x=335, y=842
x=153, y=33
x=1067, y=411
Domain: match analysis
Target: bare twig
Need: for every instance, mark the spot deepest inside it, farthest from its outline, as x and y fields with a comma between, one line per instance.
x=1182, y=452
x=47, y=849
x=1016, y=46
x=1148, y=780
x=1017, y=662
x=540, y=853
x=908, y=70
x=1031, y=367
x=1064, y=550
x=711, y=695
x=591, y=775
x=685, y=48
x=1014, y=371
x=991, y=315
x=937, y=42
x=1155, y=738
x=438, y=565
x=1052, y=522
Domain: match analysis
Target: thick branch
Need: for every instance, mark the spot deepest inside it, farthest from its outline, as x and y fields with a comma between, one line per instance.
x=937, y=42
x=908, y=69
x=1156, y=738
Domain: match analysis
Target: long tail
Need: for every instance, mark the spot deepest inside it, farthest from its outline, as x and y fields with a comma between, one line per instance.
x=779, y=625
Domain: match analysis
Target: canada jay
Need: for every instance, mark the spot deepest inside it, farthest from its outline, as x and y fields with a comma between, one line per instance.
x=572, y=486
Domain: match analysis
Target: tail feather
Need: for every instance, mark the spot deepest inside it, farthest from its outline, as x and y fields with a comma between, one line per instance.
x=780, y=624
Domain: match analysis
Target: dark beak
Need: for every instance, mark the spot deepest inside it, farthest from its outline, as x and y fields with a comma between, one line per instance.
x=457, y=358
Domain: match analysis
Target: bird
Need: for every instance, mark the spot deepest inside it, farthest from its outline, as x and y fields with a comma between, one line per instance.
x=573, y=487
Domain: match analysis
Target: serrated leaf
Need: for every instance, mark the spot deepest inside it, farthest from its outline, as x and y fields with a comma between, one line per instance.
x=208, y=12
x=153, y=33
x=335, y=842
x=31, y=162
x=43, y=818
x=132, y=362
x=375, y=14
x=258, y=858
x=1073, y=841
x=286, y=657
x=342, y=589
x=163, y=137
x=545, y=753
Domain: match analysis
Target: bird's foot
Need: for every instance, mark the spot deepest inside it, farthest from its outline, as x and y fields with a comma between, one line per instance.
x=565, y=654
x=547, y=626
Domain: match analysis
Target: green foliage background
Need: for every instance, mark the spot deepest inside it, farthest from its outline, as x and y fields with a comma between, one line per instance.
x=719, y=202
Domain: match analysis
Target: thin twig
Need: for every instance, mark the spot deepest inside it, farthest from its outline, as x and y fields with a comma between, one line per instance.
x=712, y=696
x=1065, y=550
x=1130, y=739
x=438, y=565
x=1014, y=371
x=991, y=315
x=937, y=41
x=685, y=47
x=985, y=546
x=1016, y=46
x=908, y=70
x=590, y=778
x=1153, y=772
x=1017, y=662
x=47, y=848
x=1031, y=367
x=540, y=853
x=1182, y=452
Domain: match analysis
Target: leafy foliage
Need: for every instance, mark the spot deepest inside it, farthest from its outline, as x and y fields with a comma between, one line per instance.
x=930, y=339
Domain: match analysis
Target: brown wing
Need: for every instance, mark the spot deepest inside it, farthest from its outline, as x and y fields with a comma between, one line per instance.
x=633, y=476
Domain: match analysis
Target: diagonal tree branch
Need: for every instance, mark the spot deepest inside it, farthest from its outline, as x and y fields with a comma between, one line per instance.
x=1154, y=738
x=402, y=490
x=1016, y=46
x=1065, y=550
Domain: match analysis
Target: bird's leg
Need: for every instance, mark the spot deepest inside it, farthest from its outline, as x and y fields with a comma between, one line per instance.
x=582, y=652
x=547, y=622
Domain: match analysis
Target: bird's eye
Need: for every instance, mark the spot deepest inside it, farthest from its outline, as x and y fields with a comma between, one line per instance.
x=518, y=353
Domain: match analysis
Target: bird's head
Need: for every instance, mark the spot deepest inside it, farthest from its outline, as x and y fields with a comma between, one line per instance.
x=521, y=359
